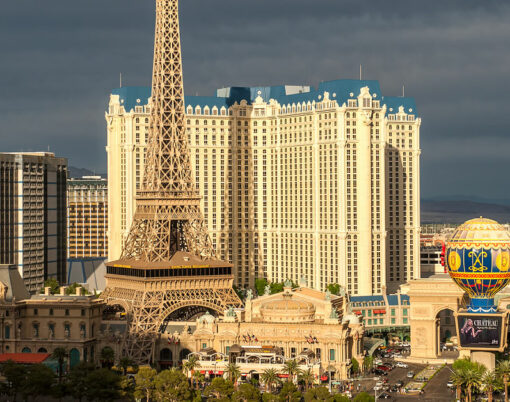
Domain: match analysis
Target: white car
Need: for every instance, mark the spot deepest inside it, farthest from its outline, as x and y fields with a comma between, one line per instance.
x=450, y=384
x=377, y=388
x=402, y=365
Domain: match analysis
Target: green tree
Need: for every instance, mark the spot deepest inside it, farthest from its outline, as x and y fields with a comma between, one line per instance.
x=318, y=394
x=334, y=288
x=234, y=372
x=71, y=289
x=307, y=378
x=458, y=378
x=363, y=397
x=190, y=366
x=291, y=367
x=270, y=377
x=354, y=366
x=368, y=363
x=503, y=370
x=107, y=357
x=172, y=386
x=77, y=379
x=125, y=363
x=60, y=355
x=267, y=397
x=199, y=378
x=473, y=379
x=246, y=393
x=490, y=383
x=290, y=393
x=39, y=380
x=53, y=285
x=15, y=377
x=340, y=398
x=260, y=285
x=276, y=288
x=219, y=390
x=103, y=385
x=144, y=383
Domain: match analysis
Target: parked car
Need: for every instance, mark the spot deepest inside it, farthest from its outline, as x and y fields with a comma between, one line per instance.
x=380, y=372
x=450, y=384
x=410, y=374
x=394, y=388
x=402, y=365
x=377, y=388
x=383, y=368
x=384, y=395
x=399, y=383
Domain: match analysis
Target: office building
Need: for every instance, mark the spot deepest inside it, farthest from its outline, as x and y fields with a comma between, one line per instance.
x=33, y=215
x=297, y=182
x=88, y=217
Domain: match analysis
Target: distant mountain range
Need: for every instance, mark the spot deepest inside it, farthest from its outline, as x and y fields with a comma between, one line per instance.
x=458, y=211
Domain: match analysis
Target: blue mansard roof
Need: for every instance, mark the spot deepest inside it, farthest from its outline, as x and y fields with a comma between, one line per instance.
x=339, y=90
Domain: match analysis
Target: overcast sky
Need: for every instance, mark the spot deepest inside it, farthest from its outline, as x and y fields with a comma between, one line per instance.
x=59, y=60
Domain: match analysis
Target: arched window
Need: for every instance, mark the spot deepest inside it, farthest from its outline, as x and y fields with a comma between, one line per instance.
x=26, y=350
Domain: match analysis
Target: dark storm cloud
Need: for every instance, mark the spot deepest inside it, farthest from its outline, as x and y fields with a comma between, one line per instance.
x=60, y=59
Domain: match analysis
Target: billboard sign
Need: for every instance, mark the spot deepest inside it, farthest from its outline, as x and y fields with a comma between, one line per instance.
x=480, y=331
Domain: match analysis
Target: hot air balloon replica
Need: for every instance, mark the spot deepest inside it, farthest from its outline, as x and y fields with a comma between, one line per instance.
x=478, y=259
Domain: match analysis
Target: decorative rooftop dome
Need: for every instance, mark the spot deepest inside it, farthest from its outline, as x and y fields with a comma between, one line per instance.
x=207, y=318
x=287, y=309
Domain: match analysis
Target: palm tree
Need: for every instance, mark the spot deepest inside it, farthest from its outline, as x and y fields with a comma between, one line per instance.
x=191, y=364
x=291, y=368
x=234, y=372
x=490, y=383
x=60, y=355
x=458, y=377
x=503, y=370
x=307, y=377
x=199, y=378
x=269, y=377
x=473, y=379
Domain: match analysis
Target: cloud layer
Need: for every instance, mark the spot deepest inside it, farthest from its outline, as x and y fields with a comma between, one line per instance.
x=61, y=59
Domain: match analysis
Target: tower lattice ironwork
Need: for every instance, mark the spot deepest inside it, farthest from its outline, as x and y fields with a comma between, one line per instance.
x=168, y=261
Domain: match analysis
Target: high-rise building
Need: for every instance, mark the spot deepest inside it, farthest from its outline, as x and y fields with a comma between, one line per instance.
x=295, y=181
x=87, y=205
x=33, y=216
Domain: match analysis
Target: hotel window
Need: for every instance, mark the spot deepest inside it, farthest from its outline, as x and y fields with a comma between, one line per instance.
x=332, y=355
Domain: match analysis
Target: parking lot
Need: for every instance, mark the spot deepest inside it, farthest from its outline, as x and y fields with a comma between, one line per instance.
x=435, y=390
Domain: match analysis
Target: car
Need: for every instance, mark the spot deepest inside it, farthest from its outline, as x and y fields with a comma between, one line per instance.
x=410, y=374
x=377, y=388
x=394, y=388
x=384, y=395
x=399, y=383
x=383, y=368
x=402, y=365
x=378, y=362
x=450, y=384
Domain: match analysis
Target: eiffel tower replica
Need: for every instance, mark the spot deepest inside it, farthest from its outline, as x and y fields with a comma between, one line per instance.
x=168, y=262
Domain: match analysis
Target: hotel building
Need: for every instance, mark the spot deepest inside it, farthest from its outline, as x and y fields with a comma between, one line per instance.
x=33, y=216
x=297, y=182
x=88, y=217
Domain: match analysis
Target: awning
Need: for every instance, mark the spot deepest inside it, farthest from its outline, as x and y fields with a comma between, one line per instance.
x=24, y=358
x=283, y=375
x=379, y=311
x=357, y=312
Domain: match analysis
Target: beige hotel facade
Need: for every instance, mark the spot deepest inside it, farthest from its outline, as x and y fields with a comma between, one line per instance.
x=297, y=182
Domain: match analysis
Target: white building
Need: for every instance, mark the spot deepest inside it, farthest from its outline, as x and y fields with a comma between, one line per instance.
x=296, y=181
x=33, y=215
